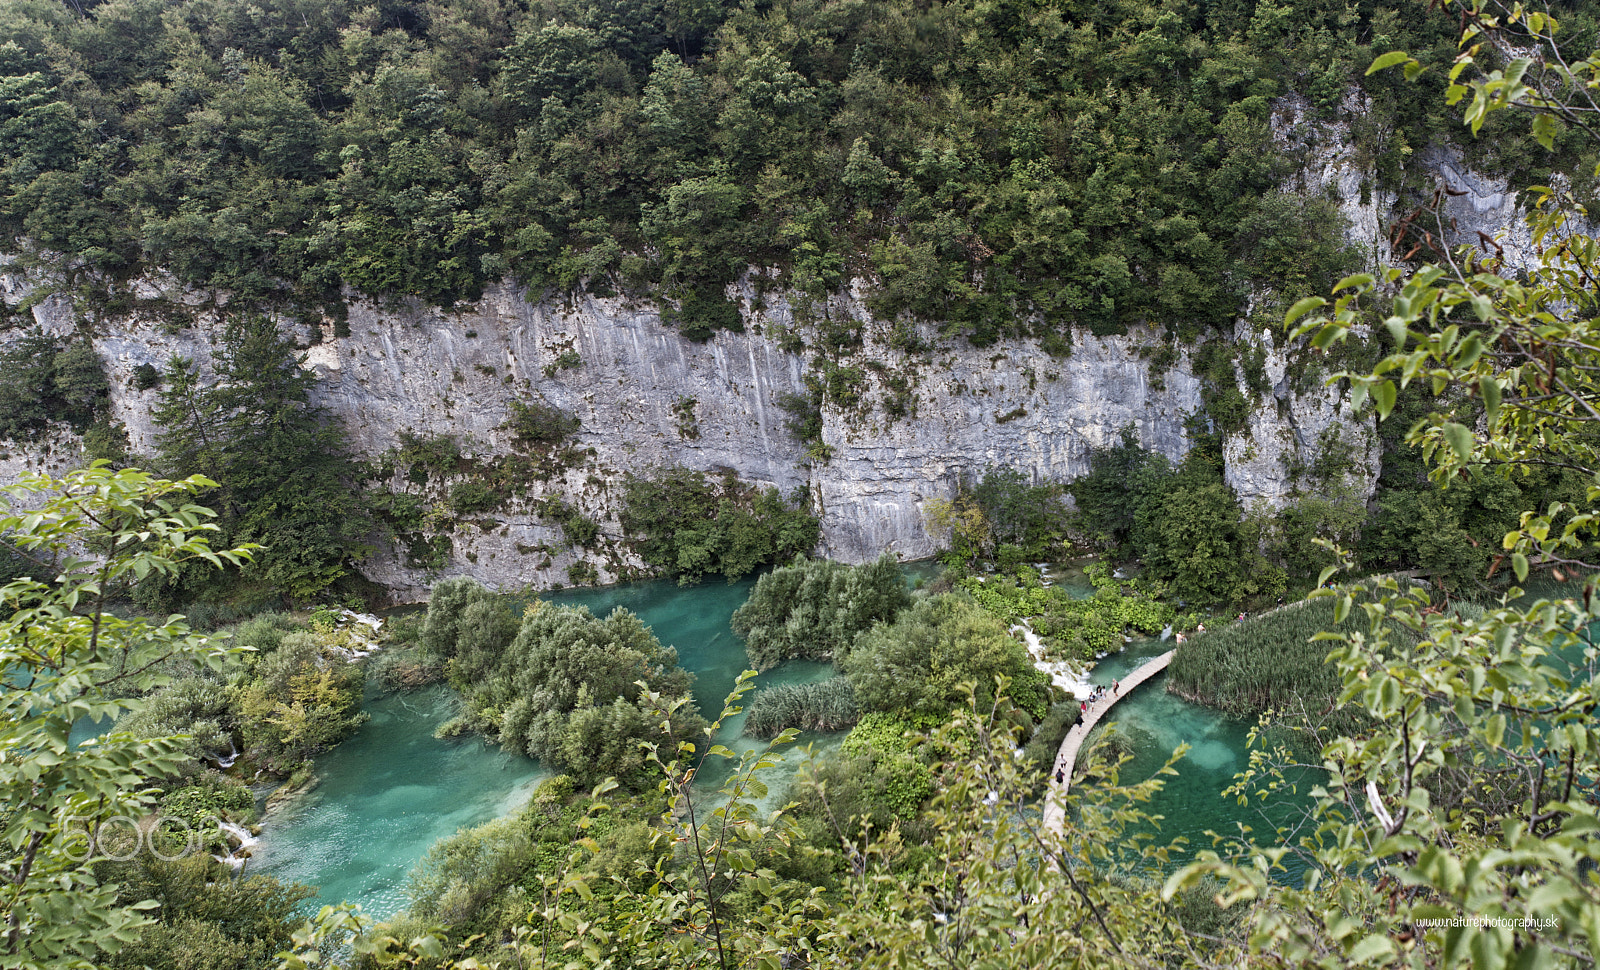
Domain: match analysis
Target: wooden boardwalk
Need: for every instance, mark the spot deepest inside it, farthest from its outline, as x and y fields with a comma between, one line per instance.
x=1056, y=798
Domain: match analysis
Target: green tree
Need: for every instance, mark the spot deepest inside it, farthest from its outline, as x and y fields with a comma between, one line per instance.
x=687, y=524
x=303, y=698
x=1191, y=537
x=569, y=688
x=1021, y=513
x=287, y=481
x=921, y=661
x=1121, y=480
x=42, y=381
x=65, y=656
x=206, y=920
x=813, y=608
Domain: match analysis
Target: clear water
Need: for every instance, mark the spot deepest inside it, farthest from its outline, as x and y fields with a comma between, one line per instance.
x=386, y=795
x=1191, y=805
x=393, y=790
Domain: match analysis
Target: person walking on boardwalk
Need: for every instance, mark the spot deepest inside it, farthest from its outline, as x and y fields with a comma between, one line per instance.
x=1116, y=686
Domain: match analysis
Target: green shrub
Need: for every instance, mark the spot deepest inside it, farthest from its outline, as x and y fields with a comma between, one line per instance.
x=1105, y=744
x=402, y=670
x=922, y=660
x=199, y=706
x=204, y=919
x=436, y=454
x=263, y=633
x=535, y=424
x=485, y=630
x=106, y=440
x=472, y=496
x=43, y=381
x=582, y=573
x=805, y=416
x=578, y=529
x=1070, y=627
x=303, y=699
x=1042, y=748
x=447, y=601
x=687, y=524
x=1026, y=521
x=813, y=608
x=703, y=312
x=213, y=796
x=474, y=881
x=566, y=688
x=889, y=732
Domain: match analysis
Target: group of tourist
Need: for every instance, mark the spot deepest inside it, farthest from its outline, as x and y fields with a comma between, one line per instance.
x=1100, y=691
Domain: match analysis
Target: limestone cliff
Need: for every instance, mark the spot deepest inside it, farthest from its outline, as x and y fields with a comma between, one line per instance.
x=647, y=397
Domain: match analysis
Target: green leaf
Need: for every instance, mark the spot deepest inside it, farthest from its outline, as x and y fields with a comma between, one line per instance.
x=1326, y=336
x=1386, y=61
x=1519, y=564
x=1460, y=439
x=1544, y=131
x=1383, y=395
x=1371, y=948
x=1302, y=307
x=1489, y=387
x=1397, y=331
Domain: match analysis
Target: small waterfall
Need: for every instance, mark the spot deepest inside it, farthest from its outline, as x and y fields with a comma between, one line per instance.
x=1070, y=677
x=236, y=858
x=232, y=756
x=1166, y=631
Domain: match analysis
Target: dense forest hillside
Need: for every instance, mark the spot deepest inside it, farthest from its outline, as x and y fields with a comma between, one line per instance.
x=998, y=167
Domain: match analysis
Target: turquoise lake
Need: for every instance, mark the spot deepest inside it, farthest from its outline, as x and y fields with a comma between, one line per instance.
x=391, y=791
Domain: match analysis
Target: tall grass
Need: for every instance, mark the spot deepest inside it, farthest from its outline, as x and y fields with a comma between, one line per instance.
x=1263, y=663
x=826, y=706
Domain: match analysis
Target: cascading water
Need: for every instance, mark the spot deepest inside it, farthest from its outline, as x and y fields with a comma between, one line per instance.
x=240, y=853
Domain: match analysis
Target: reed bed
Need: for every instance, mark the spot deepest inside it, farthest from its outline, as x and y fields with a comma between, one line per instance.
x=1263, y=663
x=826, y=706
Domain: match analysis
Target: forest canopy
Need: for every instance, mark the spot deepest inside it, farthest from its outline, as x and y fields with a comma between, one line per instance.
x=993, y=167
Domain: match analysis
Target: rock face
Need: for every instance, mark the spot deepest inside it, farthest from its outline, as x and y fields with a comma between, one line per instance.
x=646, y=397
